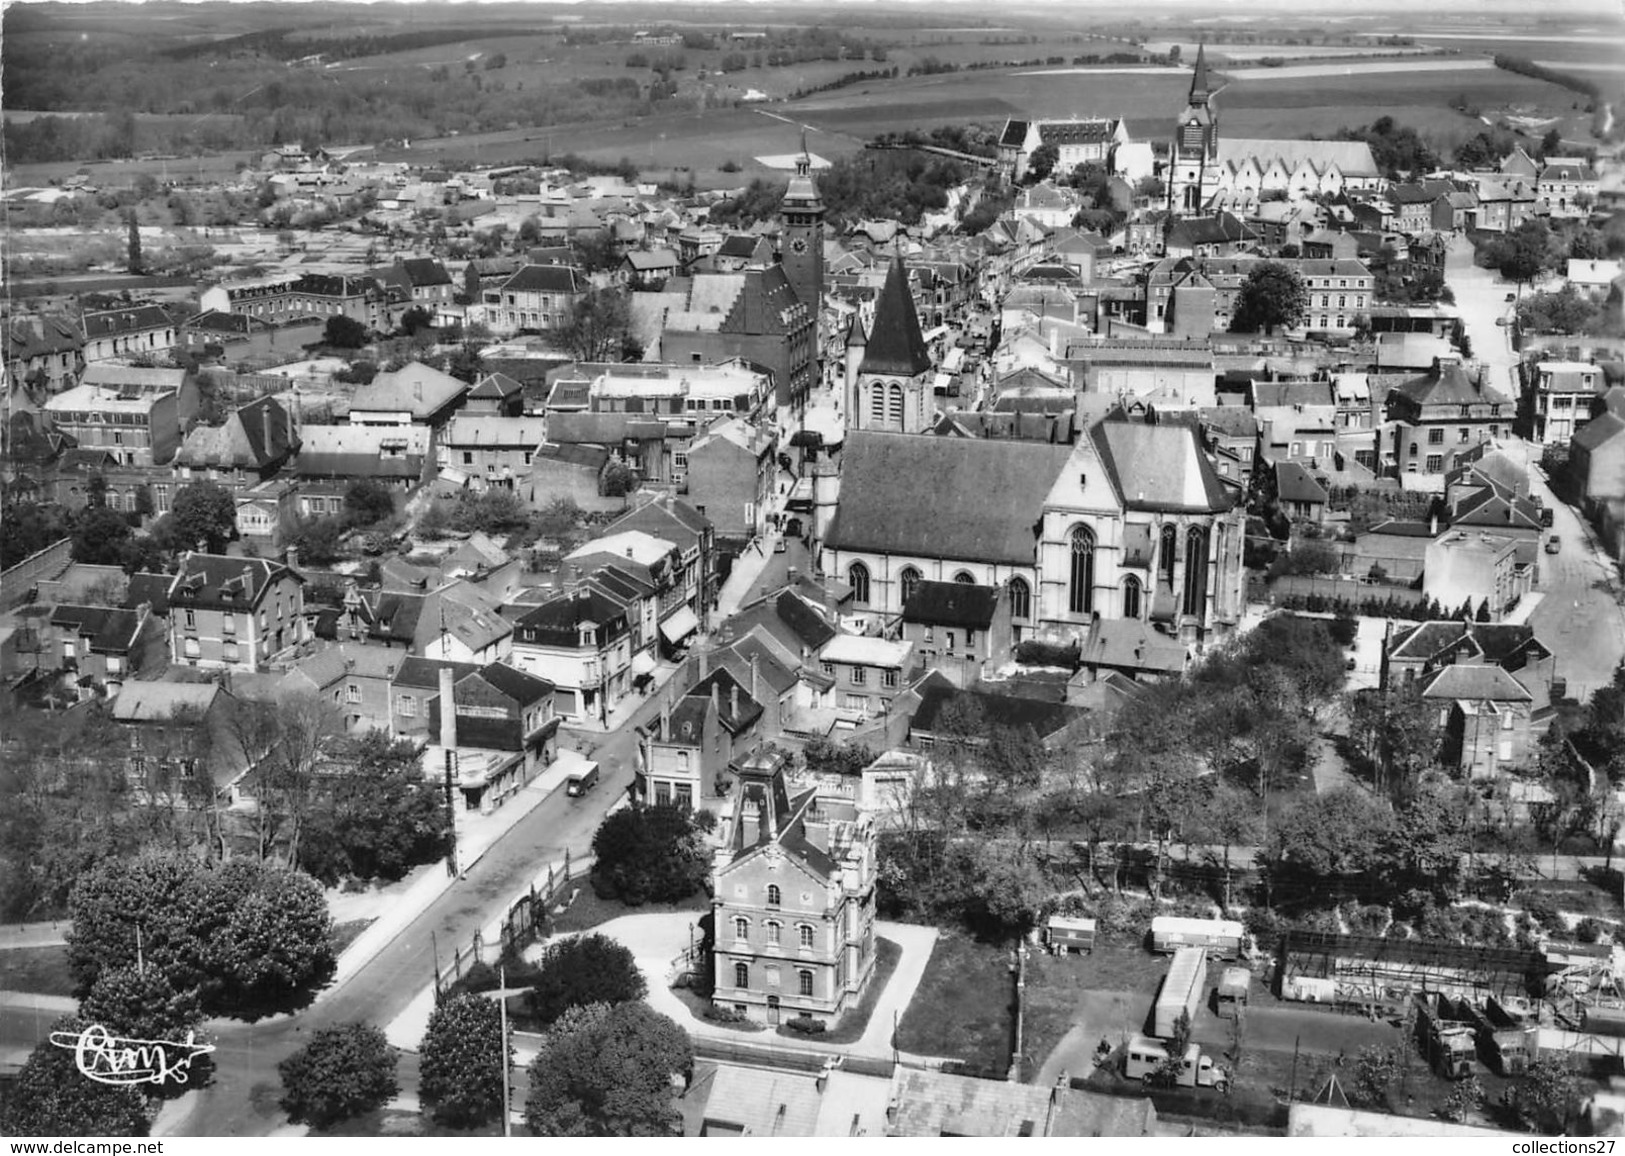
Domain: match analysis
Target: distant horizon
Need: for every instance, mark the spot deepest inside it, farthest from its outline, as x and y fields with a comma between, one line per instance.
x=1338, y=14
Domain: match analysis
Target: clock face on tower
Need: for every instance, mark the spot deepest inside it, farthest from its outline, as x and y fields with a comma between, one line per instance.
x=799, y=245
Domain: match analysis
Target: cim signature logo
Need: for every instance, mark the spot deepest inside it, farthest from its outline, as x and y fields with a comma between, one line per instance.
x=107, y=1059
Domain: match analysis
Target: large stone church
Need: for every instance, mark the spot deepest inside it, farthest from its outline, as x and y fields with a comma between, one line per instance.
x=1131, y=522
x=1207, y=171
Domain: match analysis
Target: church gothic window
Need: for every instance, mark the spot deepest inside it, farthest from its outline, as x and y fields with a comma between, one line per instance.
x=877, y=404
x=1131, y=597
x=1195, y=571
x=1081, y=589
x=1167, y=549
x=857, y=577
x=908, y=580
x=964, y=578
x=1021, y=599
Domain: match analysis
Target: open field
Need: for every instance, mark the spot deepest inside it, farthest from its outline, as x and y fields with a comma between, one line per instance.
x=1342, y=69
x=1218, y=52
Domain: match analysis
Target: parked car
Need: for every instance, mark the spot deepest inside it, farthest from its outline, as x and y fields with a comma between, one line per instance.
x=1546, y=517
x=1553, y=544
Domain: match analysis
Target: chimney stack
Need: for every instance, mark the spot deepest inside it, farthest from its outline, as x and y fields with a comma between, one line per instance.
x=291, y=555
x=665, y=715
x=448, y=709
x=755, y=674
x=265, y=419
x=705, y=662
x=716, y=698
x=734, y=708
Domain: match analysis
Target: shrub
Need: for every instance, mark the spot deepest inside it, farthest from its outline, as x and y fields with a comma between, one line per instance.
x=1544, y=912
x=1588, y=930
x=584, y=970
x=341, y=1072
x=807, y=1026
x=1035, y=652
x=718, y=1014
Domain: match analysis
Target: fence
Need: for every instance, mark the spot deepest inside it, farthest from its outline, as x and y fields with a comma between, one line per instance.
x=519, y=925
x=800, y=1059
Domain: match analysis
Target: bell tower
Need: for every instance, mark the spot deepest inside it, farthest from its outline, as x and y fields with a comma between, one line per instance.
x=1196, y=144
x=802, y=248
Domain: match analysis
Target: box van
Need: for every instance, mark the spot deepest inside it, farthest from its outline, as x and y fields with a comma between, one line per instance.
x=1145, y=1055
x=582, y=781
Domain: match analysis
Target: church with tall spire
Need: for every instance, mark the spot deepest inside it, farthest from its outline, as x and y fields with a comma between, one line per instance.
x=1209, y=173
x=889, y=383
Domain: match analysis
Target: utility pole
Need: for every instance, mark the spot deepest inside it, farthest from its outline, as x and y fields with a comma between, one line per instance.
x=502, y=1003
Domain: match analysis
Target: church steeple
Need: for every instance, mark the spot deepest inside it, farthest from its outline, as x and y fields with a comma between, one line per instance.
x=1199, y=89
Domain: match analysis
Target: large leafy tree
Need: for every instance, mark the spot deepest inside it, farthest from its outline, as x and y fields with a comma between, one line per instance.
x=367, y=501
x=650, y=854
x=600, y=326
x=461, y=1061
x=1324, y=846
x=140, y=1003
x=587, y=969
x=248, y=937
x=51, y=1097
x=342, y=1072
x=377, y=818
x=203, y=513
x=609, y=1072
x=344, y=333
x=99, y=536
x=1273, y=295
x=1547, y=1097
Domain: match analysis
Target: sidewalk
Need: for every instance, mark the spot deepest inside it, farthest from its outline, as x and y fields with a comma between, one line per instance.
x=476, y=834
x=622, y=712
x=45, y=934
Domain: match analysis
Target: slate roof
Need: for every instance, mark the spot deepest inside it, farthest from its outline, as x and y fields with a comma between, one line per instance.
x=1131, y=644
x=542, y=279
x=158, y=701
x=152, y=589
x=895, y=346
x=419, y=673
x=1076, y=132
x=521, y=687
x=355, y=451
x=767, y=304
x=110, y=630
x=1352, y=158
x=969, y=499
x=226, y=583
x=416, y=388
x=952, y=604
x=1015, y=133
x=1293, y=483
x=999, y=710
x=1159, y=467
x=256, y=437
x=749, y=709
x=1476, y=682
x=425, y=271
x=498, y=385
x=1600, y=430
x=1448, y=384
x=676, y=521
x=805, y=622
x=111, y=322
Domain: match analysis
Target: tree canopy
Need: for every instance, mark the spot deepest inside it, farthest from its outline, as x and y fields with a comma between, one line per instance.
x=375, y=817
x=342, y=1072
x=608, y=1071
x=51, y=1097
x=1273, y=295
x=249, y=938
x=600, y=326
x=461, y=1061
x=586, y=969
x=203, y=516
x=650, y=854
x=344, y=333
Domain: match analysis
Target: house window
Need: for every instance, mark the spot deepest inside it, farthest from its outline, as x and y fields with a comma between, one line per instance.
x=468, y=457
x=407, y=705
x=1436, y=437
x=685, y=796
x=773, y=929
x=1506, y=721
x=1021, y=598
x=1081, y=594
x=774, y=895
x=859, y=676
x=888, y=679
x=663, y=792
x=1131, y=597
x=230, y=653
x=191, y=619
x=742, y=975
x=805, y=931
x=741, y=929
x=948, y=640
x=907, y=581
x=191, y=648
x=805, y=981
x=1463, y=432
x=964, y=578
x=857, y=576
x=352, y=693
x=1435, y=464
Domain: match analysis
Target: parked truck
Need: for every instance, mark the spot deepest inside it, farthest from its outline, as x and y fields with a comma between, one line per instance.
x=1182, y=991
x=1230, y=997
x=581, y=781
x=1506, y=1040
x=1446, y=1042
x=1144, y=1056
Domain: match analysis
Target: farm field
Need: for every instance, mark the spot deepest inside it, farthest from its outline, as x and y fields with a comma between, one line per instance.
x=1358, y=68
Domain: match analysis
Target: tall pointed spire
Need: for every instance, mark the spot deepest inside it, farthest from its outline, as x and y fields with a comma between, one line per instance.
x=896, y=346
x=804, y=161
x=1199, y=88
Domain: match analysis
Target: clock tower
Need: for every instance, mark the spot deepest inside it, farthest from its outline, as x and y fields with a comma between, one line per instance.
x=801, y=249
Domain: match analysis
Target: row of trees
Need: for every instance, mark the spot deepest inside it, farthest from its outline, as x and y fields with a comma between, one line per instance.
x=201, y=514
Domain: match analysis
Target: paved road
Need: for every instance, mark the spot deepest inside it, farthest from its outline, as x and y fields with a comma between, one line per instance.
x=1481, y=300
x=1580, y=618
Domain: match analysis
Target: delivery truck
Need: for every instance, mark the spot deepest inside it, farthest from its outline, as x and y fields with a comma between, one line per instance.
x=1144, y=1056
x=581, y=781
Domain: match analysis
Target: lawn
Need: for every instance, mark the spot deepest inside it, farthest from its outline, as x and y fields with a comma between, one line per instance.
x=589, y=911
x=345, y=933
x=39, y=970
x=963, y=1006
x=854, y=1021
x=1057, y=986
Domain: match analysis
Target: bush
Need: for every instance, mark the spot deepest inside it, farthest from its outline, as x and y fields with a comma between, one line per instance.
x=1544, y=912
x=650, y=853
x=807, y=1026
x=342, y=1072
x=585, y=970
x=1588, y=930
x=718, y=1014
x=1035, y=652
